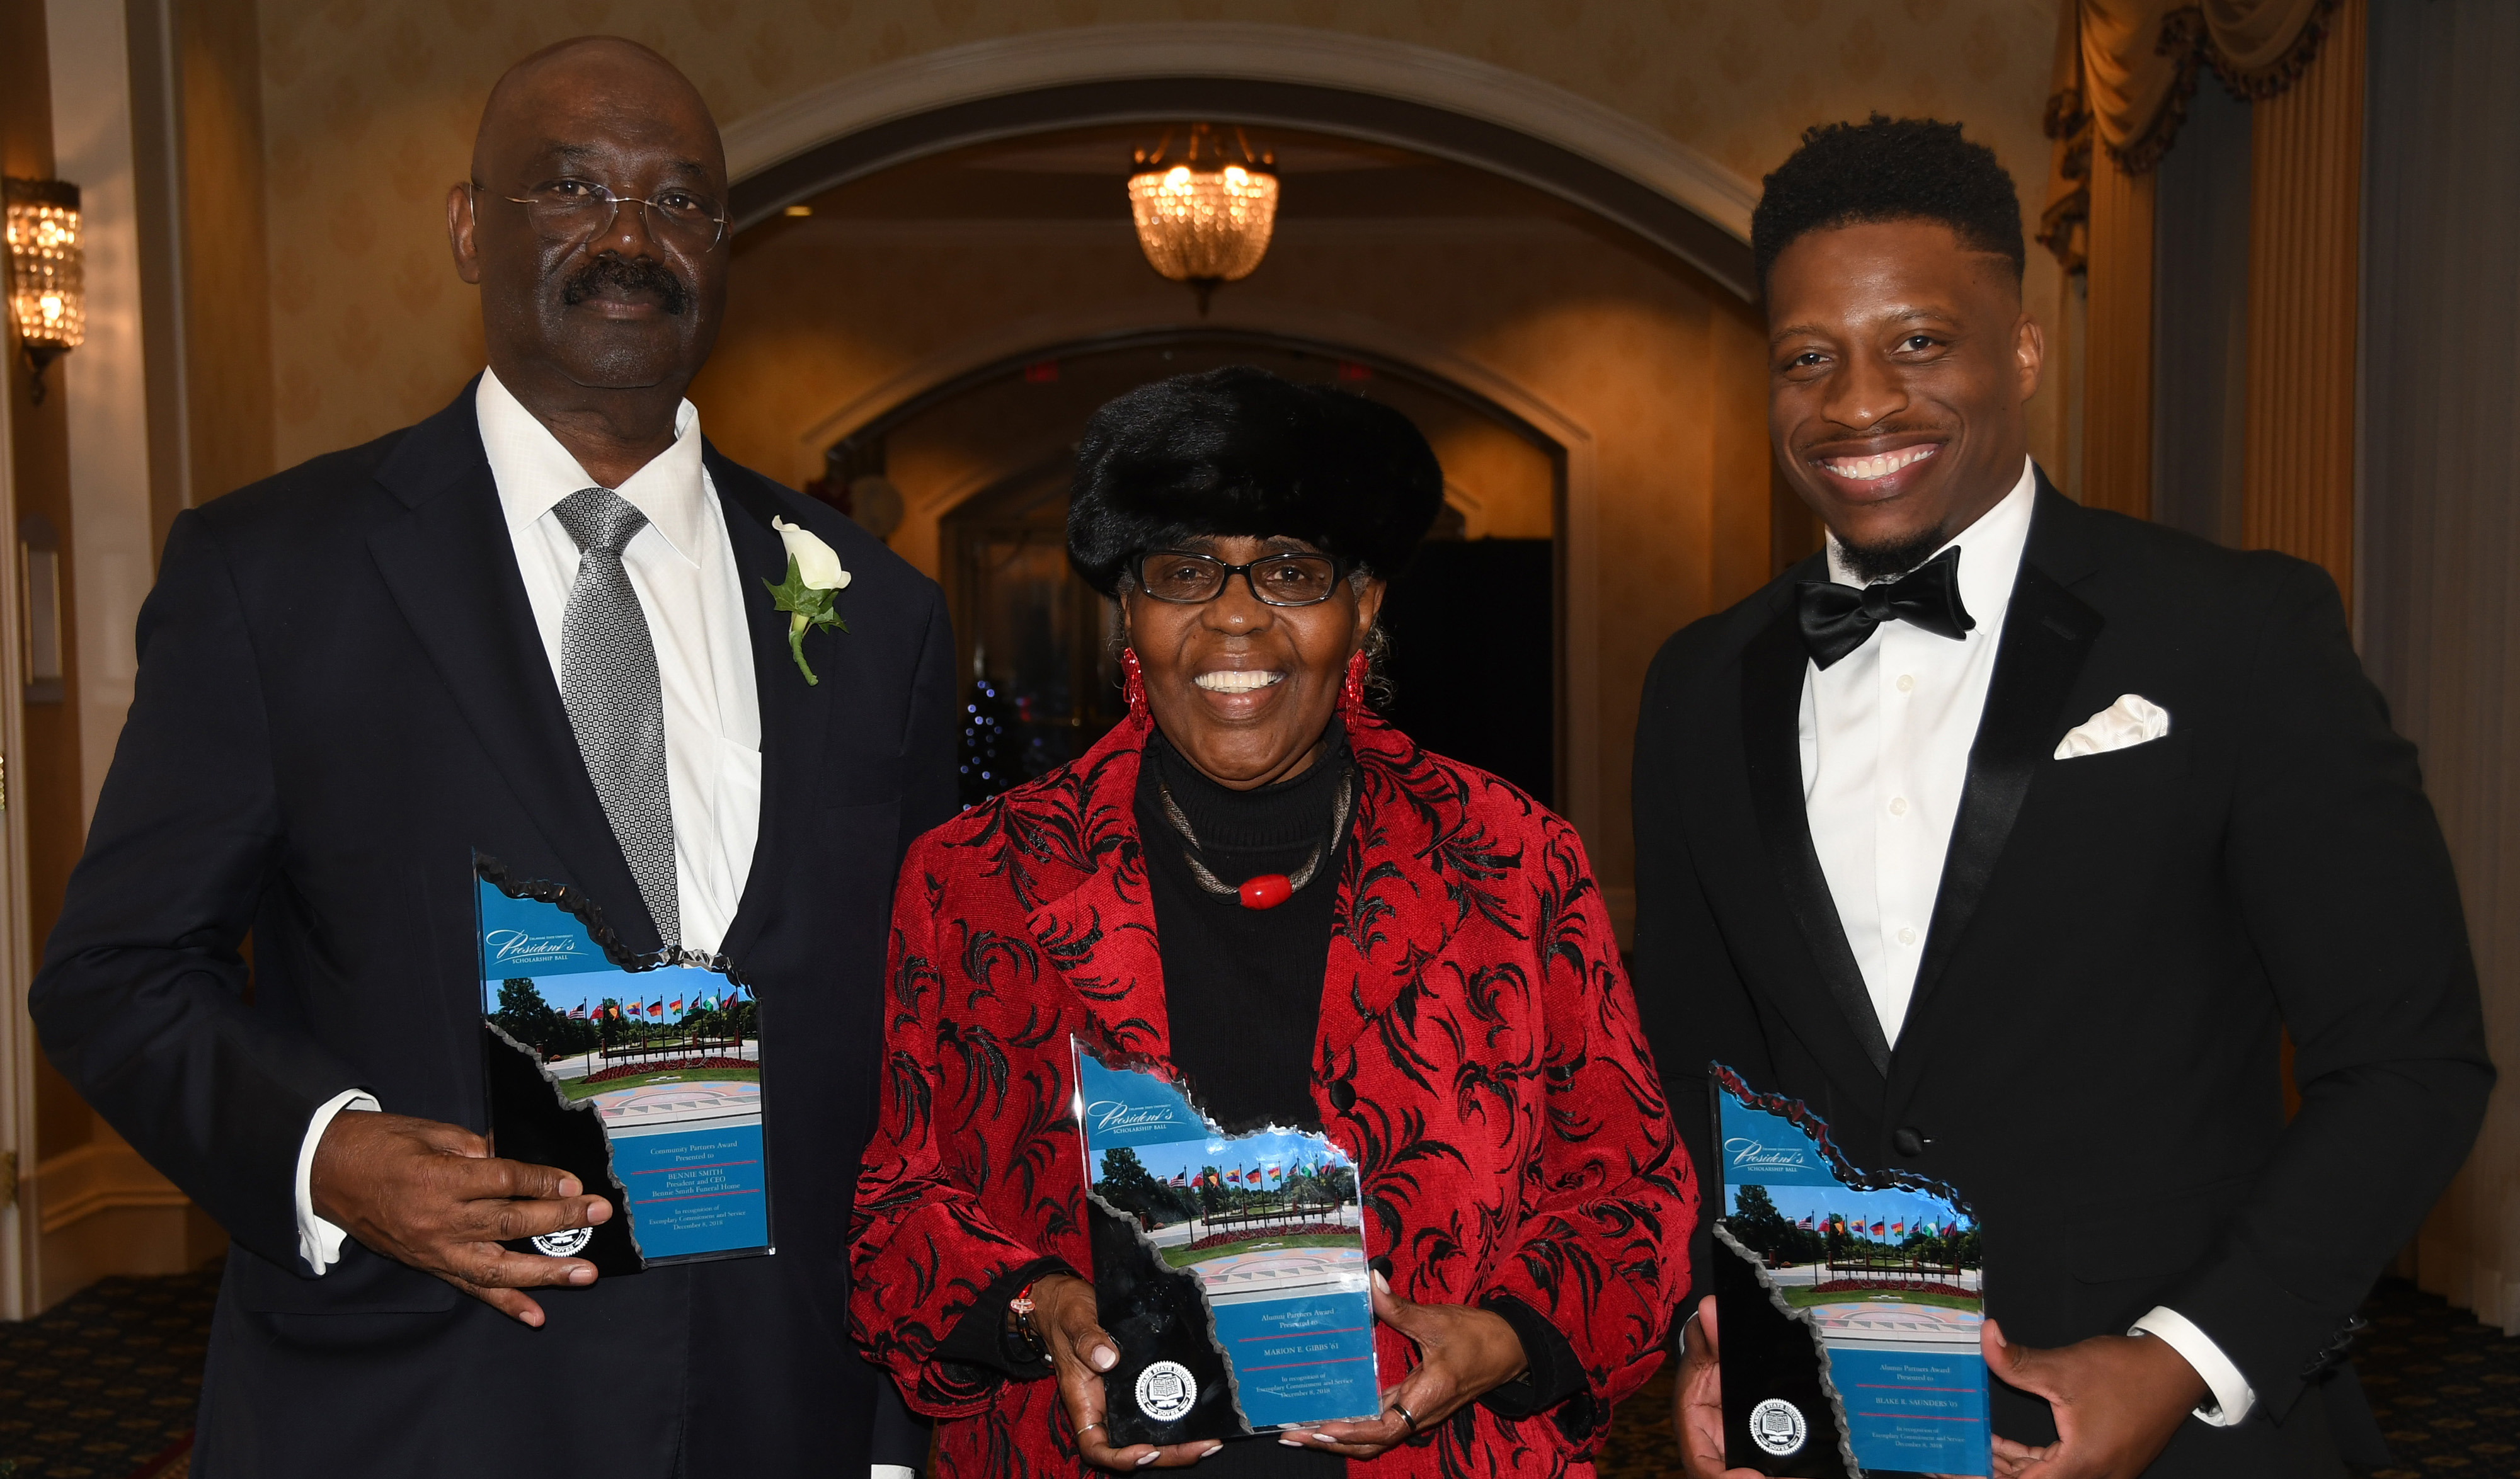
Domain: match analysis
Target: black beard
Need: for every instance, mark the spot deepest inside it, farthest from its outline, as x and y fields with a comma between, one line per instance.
x=616, y=271
x=1887, y=562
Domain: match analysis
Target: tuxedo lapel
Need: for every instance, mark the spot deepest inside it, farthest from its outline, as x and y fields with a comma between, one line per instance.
x=796, y=716
x=1772, y=669
x=2048, y=633
x=452, y=569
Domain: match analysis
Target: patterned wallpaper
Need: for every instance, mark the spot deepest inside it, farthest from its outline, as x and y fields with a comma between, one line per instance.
x=369, y=109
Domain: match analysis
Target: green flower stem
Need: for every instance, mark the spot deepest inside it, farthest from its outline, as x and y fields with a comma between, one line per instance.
x=796, y=626
x=809, y=607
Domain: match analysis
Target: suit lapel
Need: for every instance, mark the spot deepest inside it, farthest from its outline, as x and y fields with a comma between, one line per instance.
x=796, y=716
x=1772, y=669
x=2048, y=635
x=1100, y=935
x=1411, y=844
x=1100, y=939
x=452, y=569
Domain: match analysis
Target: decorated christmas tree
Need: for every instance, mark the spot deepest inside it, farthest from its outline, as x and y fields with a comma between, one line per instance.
x=989, y=763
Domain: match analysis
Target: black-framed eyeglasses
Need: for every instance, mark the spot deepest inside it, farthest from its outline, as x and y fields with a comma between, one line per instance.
x=1279, y=580
x=575, y=210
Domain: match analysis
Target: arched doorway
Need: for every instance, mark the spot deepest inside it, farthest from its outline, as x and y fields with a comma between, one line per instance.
x=1441, y=104
x=1553, y=279
x=1475, y=620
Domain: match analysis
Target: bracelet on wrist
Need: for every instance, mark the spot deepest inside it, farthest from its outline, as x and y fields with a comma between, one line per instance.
x=1019, y=1312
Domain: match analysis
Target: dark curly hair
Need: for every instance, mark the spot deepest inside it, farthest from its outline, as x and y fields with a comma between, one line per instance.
x=1888, y=169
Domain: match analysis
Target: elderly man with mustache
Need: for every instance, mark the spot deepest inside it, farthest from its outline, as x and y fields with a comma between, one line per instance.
x=534, y=625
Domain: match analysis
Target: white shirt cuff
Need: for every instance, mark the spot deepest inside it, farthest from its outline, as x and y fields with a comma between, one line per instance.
x=2232, y=1394
x=319, y=1243
x=892, y=1471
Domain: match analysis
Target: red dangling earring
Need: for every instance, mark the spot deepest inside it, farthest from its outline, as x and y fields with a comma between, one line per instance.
x=1132, y=685
x=1352, y=690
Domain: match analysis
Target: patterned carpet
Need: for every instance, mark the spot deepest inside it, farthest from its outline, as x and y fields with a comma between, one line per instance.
x=2446, y=1391
x=104, y=1387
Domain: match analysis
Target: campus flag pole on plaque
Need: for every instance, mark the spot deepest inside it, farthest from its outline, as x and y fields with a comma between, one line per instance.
x=679, y=1151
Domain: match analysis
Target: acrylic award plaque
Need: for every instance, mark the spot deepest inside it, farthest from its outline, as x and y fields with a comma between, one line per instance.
x=1848, y=1304
x=1231, y=1269
x=641, y=1076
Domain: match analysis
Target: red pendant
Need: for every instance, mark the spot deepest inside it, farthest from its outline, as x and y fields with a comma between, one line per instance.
x=1267, y=891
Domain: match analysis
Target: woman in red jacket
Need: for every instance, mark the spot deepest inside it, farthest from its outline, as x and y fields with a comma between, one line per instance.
x=1316, y=924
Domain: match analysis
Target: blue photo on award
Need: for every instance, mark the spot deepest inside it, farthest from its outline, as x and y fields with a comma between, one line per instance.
x=641, y=1076
x=1230, y=1269
x=1848, y=1303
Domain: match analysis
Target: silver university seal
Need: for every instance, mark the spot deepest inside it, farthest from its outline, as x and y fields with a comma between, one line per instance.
x=1777, y=1427
x=1166, y=1390
x=567, y=1240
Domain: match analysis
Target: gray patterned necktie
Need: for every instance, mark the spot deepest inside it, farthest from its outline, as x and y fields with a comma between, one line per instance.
x=608, y=666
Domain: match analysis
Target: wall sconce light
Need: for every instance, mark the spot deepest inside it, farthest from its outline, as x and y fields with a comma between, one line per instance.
x=1201, y=219
x=46, y=293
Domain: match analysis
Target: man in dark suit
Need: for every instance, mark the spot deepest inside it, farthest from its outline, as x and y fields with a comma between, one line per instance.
x=2012, y=836
x=534, y=625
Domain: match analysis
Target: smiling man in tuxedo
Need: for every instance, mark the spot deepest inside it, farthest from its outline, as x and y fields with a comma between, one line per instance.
x=535, y=625
x=2012, y=836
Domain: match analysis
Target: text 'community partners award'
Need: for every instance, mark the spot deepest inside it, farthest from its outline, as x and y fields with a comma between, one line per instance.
x=640, y=1076
x=1231, y=1269
x=1848, y=1304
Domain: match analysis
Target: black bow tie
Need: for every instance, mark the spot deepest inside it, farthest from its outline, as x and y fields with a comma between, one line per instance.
x=1836, y=619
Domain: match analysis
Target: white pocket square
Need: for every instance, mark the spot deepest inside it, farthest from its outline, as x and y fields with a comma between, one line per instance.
x=2132, y=720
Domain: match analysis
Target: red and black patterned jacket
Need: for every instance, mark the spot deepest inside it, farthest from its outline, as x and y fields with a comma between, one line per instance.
x=1478, y=1058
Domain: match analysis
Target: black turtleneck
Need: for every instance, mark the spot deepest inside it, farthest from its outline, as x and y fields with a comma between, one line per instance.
x=1242, y=987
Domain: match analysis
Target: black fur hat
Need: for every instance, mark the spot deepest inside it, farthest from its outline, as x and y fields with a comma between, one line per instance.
x=1240, y=451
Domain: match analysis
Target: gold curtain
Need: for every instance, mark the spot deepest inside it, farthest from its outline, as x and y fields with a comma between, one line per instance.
x=2116, y=360
x=2124, y=72
x=2305, y=239
x=2135, y=62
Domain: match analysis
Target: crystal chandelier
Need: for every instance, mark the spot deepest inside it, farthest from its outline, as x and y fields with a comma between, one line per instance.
x=1201, y=219
x=46, y=294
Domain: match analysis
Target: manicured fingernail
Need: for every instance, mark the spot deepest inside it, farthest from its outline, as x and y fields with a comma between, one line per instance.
x=1291, y=1443
x=1150, y=1458
x=581, y=1275
x=1103, y=1357
x=568, y=1185
x=1381, y=1282
x=1210, y=1450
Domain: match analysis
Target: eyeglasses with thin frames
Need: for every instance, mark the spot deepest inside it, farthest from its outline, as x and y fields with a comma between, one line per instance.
x=577, y=210
x=1185, y=578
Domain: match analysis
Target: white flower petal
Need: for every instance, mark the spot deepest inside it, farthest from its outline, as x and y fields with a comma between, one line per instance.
x=818, y=565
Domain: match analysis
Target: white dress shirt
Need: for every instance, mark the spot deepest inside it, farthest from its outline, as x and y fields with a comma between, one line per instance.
x=1886, y=733
x=682, y=566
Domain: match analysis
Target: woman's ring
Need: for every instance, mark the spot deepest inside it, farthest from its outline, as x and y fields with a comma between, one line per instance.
x=1080, y=1432
x=1406, y=1417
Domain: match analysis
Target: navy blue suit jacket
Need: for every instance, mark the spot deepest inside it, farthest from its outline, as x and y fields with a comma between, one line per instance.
x=342, y=694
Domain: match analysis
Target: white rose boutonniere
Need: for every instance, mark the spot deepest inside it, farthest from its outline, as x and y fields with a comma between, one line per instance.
x=811, y=590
